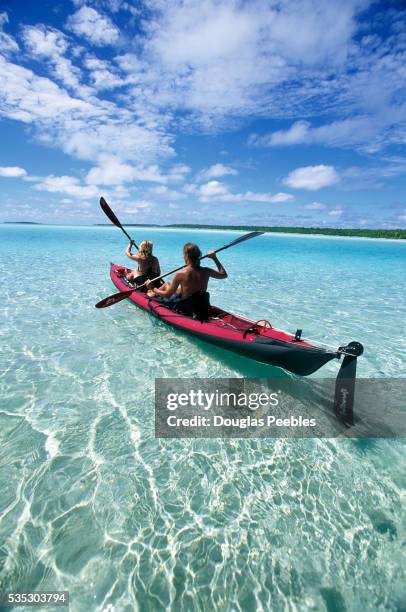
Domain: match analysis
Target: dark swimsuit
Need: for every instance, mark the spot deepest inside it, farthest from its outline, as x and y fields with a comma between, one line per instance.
x=196, y=305
x=150, y=275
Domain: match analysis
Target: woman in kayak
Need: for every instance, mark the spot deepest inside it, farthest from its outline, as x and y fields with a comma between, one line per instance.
x=188, y=289
x=148, y=264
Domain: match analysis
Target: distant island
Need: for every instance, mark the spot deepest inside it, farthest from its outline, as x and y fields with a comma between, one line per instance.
x=398, y=234
x=130, y=225
x=394, y=234
x=21, y=223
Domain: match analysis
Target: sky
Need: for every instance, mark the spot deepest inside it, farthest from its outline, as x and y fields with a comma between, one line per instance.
x=270, y=112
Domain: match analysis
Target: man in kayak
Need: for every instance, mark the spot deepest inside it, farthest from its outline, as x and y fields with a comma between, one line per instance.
x=148, y=264
x=187, y=291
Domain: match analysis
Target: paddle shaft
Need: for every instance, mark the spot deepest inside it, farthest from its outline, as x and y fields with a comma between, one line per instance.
x=114, y=219
x=227, y=246
x=117, y=297
x=129, y=238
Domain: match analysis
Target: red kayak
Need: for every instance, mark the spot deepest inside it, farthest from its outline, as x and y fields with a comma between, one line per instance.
x=257, y=340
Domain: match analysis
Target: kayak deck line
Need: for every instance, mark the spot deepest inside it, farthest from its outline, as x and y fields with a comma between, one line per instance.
x=257, y=340
x=307, y=340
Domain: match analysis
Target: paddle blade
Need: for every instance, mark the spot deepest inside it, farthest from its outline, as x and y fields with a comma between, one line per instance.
x=238, y=240
x=245, y=237
x=114, y=299
x=109, y=213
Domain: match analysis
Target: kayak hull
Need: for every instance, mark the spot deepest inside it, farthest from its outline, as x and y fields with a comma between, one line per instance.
x=234, y=333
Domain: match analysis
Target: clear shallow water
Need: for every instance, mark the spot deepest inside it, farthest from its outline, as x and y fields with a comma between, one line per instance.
x=90, y=502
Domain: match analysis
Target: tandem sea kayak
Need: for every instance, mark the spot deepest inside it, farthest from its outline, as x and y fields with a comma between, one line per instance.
x=254, y=339
x=257, y=340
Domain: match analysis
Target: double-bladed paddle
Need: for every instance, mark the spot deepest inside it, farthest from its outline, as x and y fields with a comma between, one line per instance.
x=117, y=297
x=109, y=213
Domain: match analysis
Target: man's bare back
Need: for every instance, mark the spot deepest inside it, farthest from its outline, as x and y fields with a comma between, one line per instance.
x=192, y=279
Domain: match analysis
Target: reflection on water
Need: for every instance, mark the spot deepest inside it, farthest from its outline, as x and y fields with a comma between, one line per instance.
x=92, y=503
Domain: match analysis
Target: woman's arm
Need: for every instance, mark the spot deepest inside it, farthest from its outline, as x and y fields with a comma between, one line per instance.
x=169, y=290
x=129, y=254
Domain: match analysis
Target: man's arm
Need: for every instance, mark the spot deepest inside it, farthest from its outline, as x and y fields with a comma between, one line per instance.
x=221, y=271
x=170, y=290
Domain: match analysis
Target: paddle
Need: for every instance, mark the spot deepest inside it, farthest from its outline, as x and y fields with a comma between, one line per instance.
x=117, y=297
x=109, y=213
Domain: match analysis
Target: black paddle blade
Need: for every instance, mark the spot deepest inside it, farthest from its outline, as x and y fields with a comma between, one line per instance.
x=238, y=240
x=114, y=299
x=344, y=390
x=109, y=213
x=246, y=237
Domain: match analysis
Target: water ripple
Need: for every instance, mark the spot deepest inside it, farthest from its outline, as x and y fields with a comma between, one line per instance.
x=92, y=503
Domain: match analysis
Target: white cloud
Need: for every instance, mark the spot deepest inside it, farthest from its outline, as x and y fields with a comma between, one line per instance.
x=210, y=78
x=136, y=206
x=275, y=73
x=7, y=42
x=228, y=30
x=217, y=171
x=94, y=26
x=178, y=172
x=216, y=191
x=315, y=206
x=128, y=135
x=348, y=132
x=312, y=178
x=67, y=184
x=162, y=193
x=313, y=31
x=113, y=171
x=336, y=212
x=114, y=134
x=102, y=76
x=213, y=188
x=44, y=41
x=363, y=132
x=113, y=6
x=278, y=197
x=149, y=174
x=12, y=172
x=250, y=56
x=296, y=134
x=86, y=129
x=250, y=196
x=51, y=44
x=29, y=98
x=130, y=63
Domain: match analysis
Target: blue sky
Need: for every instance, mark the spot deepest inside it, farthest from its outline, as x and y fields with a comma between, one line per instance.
x=277, y=112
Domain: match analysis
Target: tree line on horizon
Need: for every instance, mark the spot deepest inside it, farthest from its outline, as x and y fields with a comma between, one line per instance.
x=328, y=231
x=399, y=234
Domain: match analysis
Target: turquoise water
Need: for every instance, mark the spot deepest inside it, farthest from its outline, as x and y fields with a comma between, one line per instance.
x=92, y=503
